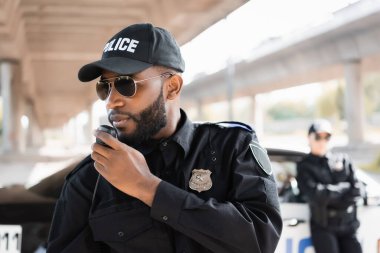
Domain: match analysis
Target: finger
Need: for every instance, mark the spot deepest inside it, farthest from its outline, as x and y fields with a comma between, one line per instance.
x=100, y=168
x=102, y=150
x=107, y=139
x=99, y=158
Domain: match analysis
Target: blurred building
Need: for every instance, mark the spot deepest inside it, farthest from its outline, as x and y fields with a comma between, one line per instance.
x=345, y=46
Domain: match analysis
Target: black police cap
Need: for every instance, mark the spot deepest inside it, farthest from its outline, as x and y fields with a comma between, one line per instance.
x=133, y=49
x=320, y=126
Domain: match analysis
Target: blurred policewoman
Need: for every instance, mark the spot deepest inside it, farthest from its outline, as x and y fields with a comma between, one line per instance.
x=328, y=183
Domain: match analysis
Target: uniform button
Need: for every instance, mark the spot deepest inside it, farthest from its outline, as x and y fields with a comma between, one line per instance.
x=212, y=152
x=165, y=218
x=213, y=159
x=164, y=144
x=120, y=234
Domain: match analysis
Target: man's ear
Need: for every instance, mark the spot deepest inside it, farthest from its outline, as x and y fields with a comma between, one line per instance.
x=174, y=86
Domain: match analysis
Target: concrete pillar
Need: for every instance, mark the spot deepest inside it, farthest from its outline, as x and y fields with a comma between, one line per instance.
x=256, y=115
x=6, y=91
x=230, y=88
x=354, y=102
x=18, y=109
x=14, y=136
x=35, y=138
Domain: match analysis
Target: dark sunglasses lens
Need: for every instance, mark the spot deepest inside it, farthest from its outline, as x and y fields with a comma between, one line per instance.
x=102, y=89
x=320, y=137
x=125, y=86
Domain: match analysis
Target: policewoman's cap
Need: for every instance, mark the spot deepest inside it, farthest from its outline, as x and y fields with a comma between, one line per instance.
x=320, y=126
x=133, y=49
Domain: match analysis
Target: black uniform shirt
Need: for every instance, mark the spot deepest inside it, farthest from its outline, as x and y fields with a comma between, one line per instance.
x=239, y=213
x=329, y=185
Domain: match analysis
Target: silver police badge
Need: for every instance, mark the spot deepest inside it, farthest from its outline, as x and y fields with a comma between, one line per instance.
x=200, y=180
x=336, y=162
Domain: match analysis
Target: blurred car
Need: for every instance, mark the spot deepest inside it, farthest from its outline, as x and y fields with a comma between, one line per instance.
x=26, y=213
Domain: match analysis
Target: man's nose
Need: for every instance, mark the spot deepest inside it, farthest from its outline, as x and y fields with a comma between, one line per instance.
x=114, y=99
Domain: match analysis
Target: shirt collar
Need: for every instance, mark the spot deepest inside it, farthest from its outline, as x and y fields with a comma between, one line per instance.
x=185, y=132
x=319, y=158
x=182, y=136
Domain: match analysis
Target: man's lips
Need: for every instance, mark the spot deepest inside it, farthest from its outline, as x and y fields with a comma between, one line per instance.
x=119, y=121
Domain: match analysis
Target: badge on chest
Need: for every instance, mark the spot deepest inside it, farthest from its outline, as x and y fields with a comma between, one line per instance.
x=200, y=180
x=336, y=162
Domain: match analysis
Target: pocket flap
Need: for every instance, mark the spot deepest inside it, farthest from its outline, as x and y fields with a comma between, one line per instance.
x=121, y=225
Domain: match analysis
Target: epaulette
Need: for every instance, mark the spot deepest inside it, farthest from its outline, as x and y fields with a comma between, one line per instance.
x=235, y=124
x=80, y=165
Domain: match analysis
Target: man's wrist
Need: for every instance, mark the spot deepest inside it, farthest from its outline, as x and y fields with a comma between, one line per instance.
x=148, y=190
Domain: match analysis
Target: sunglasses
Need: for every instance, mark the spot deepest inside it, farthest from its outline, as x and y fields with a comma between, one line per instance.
x=124, y=85
x=321, y=137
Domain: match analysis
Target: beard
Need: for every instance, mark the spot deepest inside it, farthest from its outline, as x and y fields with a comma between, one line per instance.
x=148, y=122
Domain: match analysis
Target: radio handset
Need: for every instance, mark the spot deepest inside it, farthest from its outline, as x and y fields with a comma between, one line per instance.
x=107, y=129
x=111, y=131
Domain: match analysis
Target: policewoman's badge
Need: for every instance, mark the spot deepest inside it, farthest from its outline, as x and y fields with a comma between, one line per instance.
x=338, y=166
x=261, y=157
x=335, y=162
x=200, y=180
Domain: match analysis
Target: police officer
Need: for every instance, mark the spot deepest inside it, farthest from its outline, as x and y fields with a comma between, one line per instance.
x=328, y=183
x=164, y=184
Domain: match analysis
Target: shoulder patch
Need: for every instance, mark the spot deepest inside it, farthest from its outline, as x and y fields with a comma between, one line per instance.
x=235, y=124
x=261, y=156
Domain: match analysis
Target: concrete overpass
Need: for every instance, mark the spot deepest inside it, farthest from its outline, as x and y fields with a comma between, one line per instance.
x=44, y=42
x=344, y=47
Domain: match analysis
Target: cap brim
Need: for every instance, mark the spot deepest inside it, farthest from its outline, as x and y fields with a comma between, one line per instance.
x=322, y=131
x=120, y=65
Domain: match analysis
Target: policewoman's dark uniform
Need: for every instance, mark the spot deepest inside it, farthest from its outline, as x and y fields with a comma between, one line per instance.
x=234, y=207
x=330, y=187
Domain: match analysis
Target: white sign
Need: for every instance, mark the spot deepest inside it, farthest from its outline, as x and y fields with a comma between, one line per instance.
x=10, y=238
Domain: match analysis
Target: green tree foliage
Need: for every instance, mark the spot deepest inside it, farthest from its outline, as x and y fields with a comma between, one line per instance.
x=340, y=100
x=374, y=166
x=327, y=105
x=289, y=110
x=372, y=93
x=331, y=103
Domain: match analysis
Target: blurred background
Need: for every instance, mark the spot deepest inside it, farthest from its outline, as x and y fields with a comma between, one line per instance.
x=276, y=65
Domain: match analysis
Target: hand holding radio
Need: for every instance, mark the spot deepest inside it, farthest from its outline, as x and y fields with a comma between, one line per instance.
x=123, y=166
